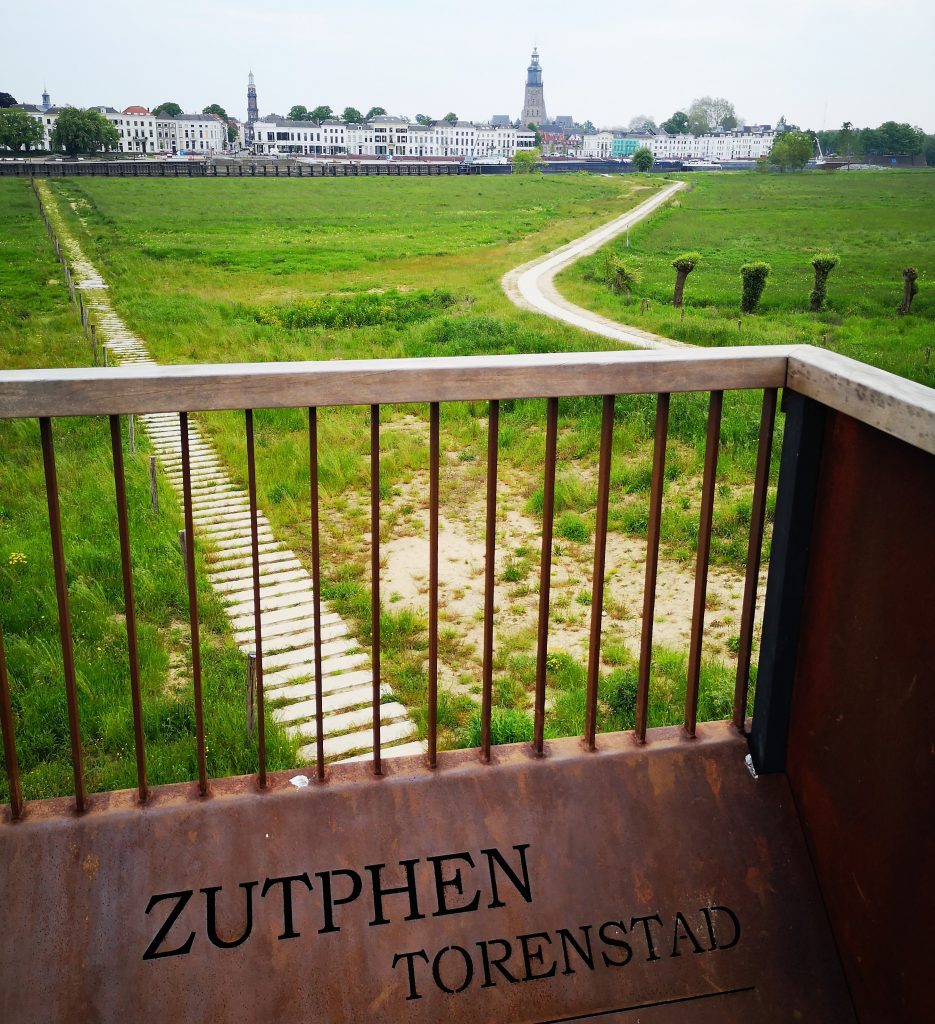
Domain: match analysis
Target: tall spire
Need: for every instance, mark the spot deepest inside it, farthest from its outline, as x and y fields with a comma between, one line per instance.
x=253, y=113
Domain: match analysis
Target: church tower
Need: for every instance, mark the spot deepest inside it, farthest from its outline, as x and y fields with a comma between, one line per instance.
x=534, y=102
x=253, y=114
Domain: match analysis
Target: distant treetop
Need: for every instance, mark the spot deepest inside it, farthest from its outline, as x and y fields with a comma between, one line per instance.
x=167, y=110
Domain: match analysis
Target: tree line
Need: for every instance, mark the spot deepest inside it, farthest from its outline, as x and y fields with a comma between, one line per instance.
x=900, y=139
x=351, y=115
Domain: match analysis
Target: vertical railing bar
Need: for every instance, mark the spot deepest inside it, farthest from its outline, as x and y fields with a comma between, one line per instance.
x=433, y=582
x=64, y=614
x=316, y=588
x=493, y=431
x=545, y=571
x=9, y=740
x=375, y=577
x=257, y=615
x=693, y=674
x=126, y=568
x=193, y=604
x=652, y=564
x=754, y=554
x=597, y=585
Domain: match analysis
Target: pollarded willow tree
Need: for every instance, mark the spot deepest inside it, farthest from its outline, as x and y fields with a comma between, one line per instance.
x=910, y=289
x=823, y=265
x=754, y=277
x=683, y=265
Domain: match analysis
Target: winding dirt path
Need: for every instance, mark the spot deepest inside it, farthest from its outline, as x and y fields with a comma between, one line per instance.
x=532, y=285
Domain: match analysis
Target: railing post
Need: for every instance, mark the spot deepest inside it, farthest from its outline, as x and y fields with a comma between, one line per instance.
x=785, y=587
x=251, y=694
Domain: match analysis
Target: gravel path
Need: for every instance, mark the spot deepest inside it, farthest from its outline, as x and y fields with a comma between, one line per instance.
x=532, y=285
x=222, y=523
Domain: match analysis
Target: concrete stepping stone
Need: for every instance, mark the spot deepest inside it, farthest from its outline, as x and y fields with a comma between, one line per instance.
x=332, y=651
x=339, y=746
x=348, y=720
x=277, y=643
x=400, y=750
x=242, y=573
x=304, y=685
x=300, y=585
x=305, y=668
x=235, y=591
x=300, y=599
x=343, y=700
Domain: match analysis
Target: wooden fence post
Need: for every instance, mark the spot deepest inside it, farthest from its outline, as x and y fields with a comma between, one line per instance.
x=153, y=490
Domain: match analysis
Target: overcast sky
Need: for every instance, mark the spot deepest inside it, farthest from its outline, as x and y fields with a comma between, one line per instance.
x=818, y=62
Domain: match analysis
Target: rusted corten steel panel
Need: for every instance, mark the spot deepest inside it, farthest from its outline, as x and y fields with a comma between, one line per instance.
x=652, y=883
x=863, y=718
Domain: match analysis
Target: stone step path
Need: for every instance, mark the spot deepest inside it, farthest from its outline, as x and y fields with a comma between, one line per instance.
x=221, y=516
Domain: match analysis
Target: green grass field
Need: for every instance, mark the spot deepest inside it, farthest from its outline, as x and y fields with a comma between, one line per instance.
x=38, y=327
x=876, y=222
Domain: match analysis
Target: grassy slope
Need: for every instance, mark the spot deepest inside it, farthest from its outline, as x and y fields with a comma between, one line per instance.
x=876, y=222
x=39, y=328
x=193, y=266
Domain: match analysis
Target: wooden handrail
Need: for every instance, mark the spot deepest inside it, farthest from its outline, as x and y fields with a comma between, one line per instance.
x=884, y=400
x=195, y=388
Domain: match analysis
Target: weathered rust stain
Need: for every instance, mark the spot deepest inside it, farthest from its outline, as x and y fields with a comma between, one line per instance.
x=90, y=866
x=713, y=775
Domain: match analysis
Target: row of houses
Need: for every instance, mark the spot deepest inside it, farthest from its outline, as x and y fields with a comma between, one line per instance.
x=139, y=131
x=750, y=142
x=387, y=137
x=142, y=132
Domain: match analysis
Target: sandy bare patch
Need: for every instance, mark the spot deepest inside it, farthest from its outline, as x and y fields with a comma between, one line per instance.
x=516, y=602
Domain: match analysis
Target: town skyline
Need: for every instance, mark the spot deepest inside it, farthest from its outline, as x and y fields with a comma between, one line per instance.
x=806, y=64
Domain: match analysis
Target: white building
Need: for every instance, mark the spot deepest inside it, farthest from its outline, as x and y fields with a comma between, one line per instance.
x=139, y=131
x=748, y=143
x=597, y=146
x=503, y=141
x=280, y=136
x=201, y=134
x=395, y=136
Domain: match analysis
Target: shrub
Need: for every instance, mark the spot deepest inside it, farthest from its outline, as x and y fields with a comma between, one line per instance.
x=684, y=265
x=367, y=309
x=754, y=277
x=620, y=275
x=620, y=690
x=572, y=527
x=507, y=725
x=823, y=265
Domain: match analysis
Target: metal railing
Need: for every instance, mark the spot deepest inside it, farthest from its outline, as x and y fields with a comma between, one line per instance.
x=900, y=408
